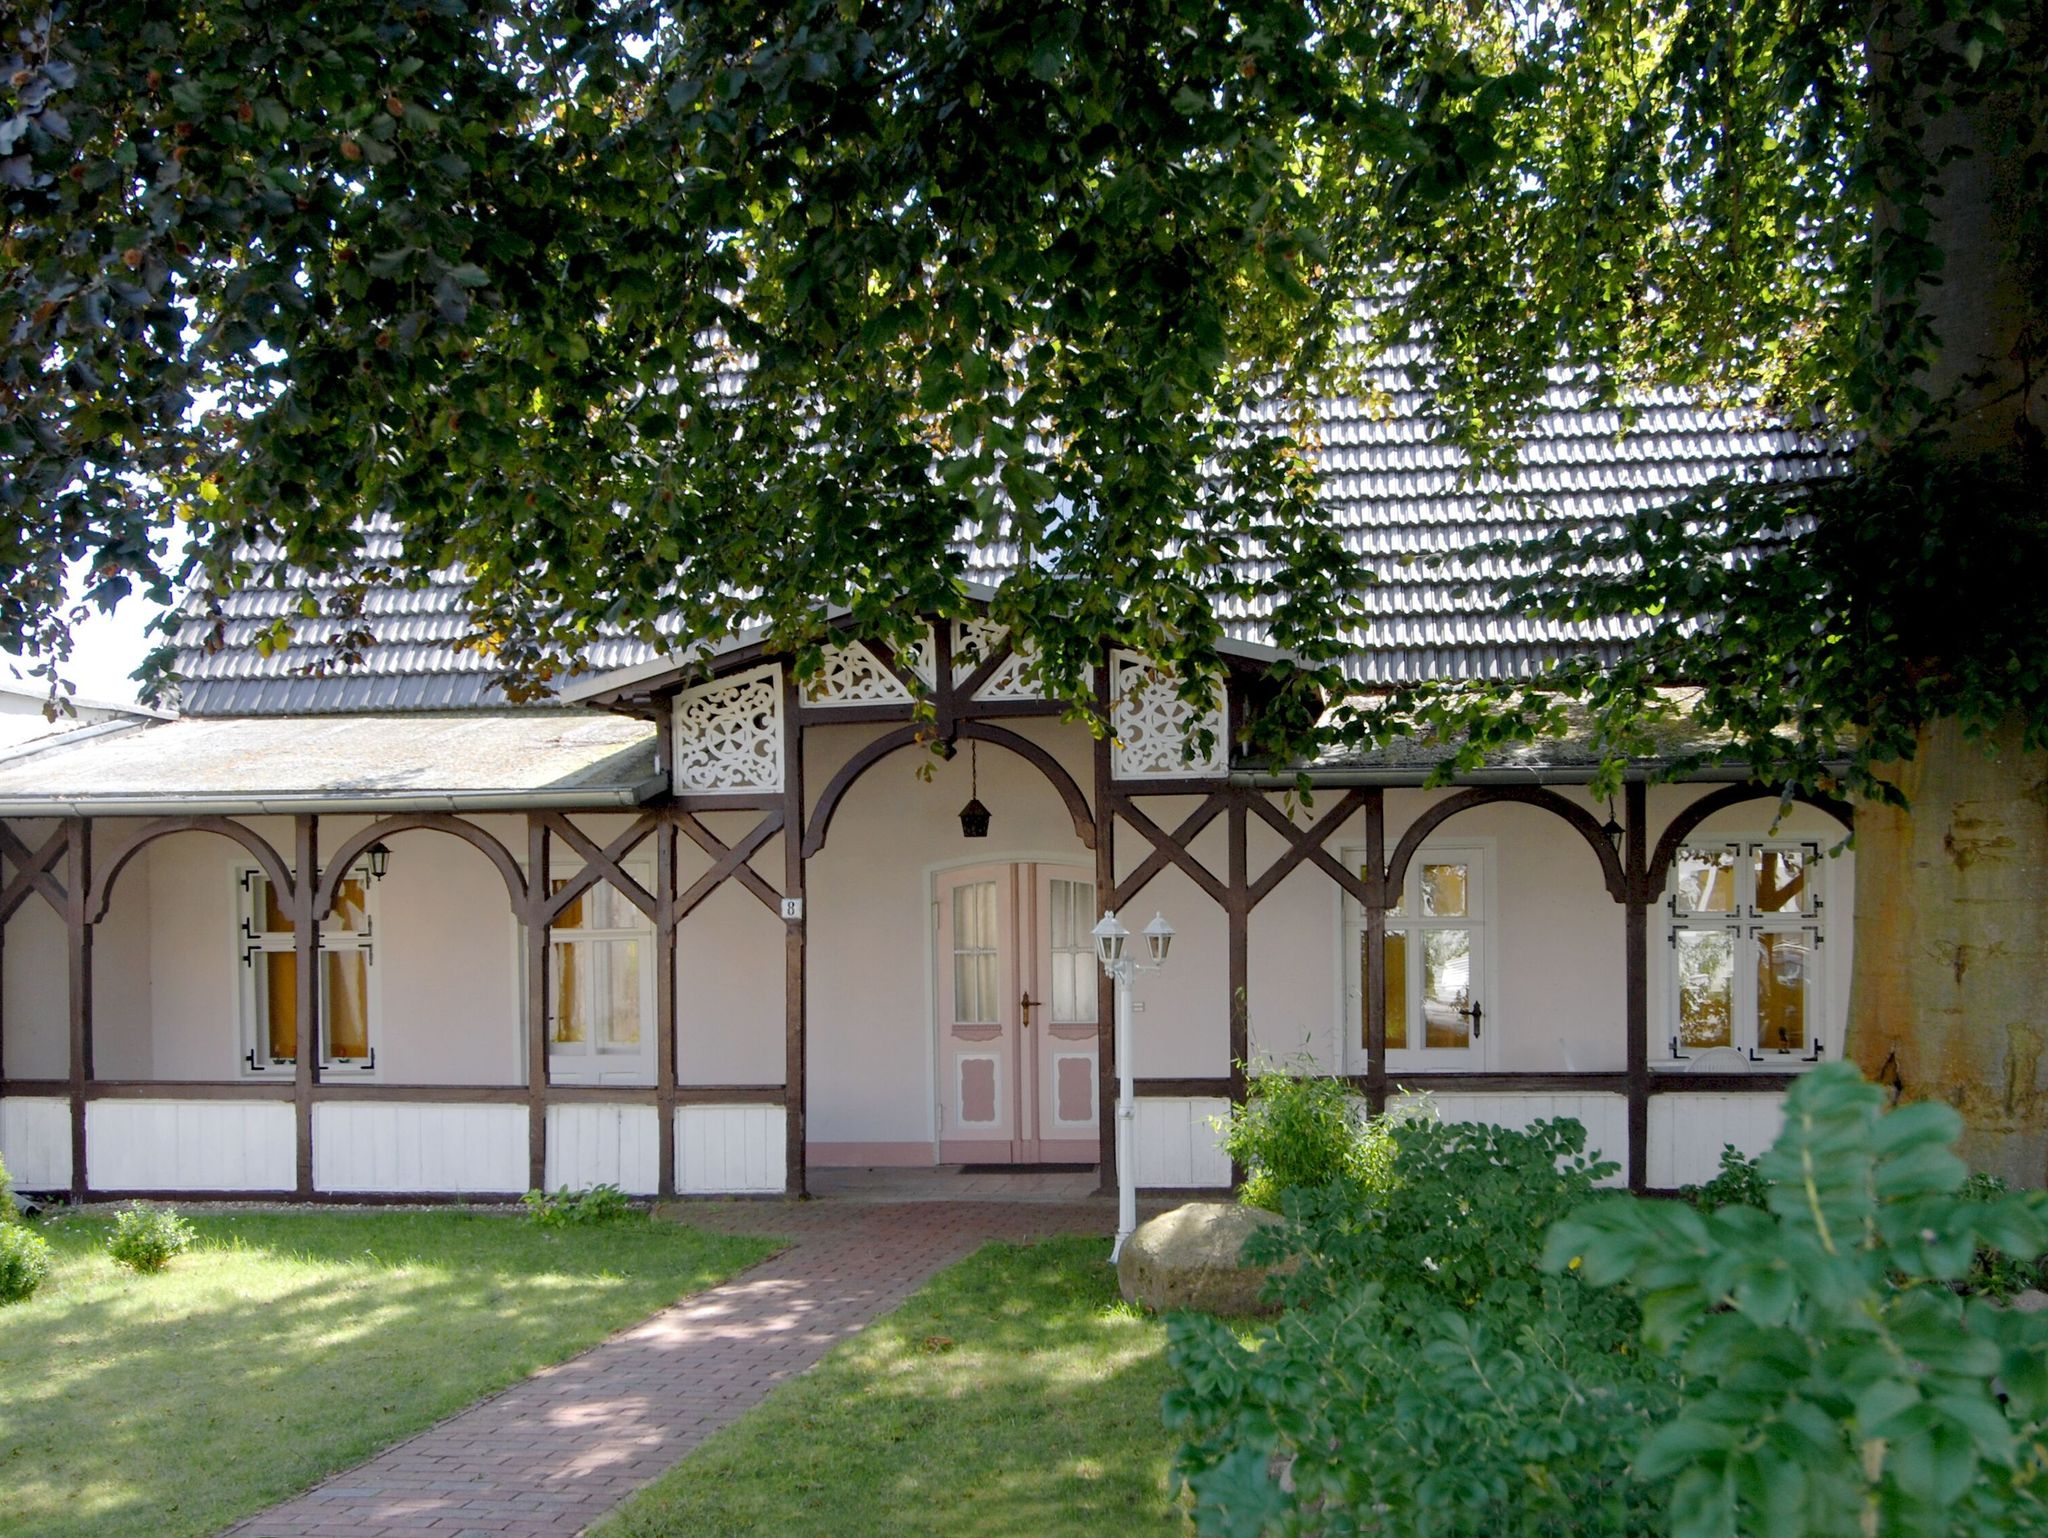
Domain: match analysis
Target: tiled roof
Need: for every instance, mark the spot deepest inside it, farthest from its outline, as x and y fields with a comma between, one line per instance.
x=1400, y=496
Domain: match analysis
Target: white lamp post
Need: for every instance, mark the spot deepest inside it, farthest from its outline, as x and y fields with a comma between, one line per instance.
x=1120, y=967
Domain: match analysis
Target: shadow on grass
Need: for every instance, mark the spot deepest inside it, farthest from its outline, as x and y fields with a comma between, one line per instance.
x=1010, y=1398
x=285, y=1347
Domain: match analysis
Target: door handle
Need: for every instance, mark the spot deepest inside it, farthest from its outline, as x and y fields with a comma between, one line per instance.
x=1025, y=1005
x=1473, y=1013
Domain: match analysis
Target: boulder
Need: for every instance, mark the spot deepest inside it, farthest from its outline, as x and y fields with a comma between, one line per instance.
x=1188, y=1258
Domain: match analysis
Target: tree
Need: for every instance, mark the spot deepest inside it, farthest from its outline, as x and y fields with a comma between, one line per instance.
x=656, y=321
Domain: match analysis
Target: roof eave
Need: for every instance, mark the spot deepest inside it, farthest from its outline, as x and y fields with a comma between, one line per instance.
x=289, y=803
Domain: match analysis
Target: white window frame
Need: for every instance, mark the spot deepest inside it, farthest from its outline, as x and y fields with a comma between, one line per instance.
x=1477, y=853
x=1745, y=923
x=250, y=942
x=586, y=1062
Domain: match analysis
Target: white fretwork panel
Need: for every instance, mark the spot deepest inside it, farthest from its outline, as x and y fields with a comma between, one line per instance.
x=405, y=1148
x=604, y=1145
x=1688, y=1131
x=728, y=734
x=1178, y=1144
x=977, y=640
x=854, y=675
x=190, y=1145
x=1150, y=724
x=1605, y=1117
x=730, y=1150
x=35, y=1140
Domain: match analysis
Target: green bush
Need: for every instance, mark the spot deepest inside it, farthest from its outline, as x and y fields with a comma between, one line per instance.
x=7, y=1212
x=1299, y=1129
x=563, y=1207
x=1738, y=1183
x=24, y=1262
x=1426, y=1376
x=1835, y=1381
x=146, y=1237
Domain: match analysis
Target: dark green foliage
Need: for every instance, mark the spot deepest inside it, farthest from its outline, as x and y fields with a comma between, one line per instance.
x=7, y=1209
x=24, y=1261
x=1834, y=1380
x=147, y=1238
x=1738, y=1183
x=1299, y=1128
x=1996, y=1274
x=1425, y=1377
x=564, y=1208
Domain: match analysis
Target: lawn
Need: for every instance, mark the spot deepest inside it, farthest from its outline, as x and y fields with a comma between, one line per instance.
x=1013, y=1397
x=286, y=1346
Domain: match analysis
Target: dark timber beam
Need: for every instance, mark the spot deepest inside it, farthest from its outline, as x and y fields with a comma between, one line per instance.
x=78, y=950
x=306, y=991
x=796, y=961
x=534, y=914
x=665, y=917
x=1636, y=982
x=1105, y=990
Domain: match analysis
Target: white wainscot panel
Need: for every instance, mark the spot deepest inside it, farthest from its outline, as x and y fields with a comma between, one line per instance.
x=1177, y=1144
x=1605, y=1118
x=732, y=1150
x=604, y=1145
x=35, y=1140
x=190, y=1145
x=1688, y=1131
x=409, y=1148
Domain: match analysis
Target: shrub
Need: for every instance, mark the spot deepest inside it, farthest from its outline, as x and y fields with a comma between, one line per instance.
x=564, y=1207
x=146, y=1238
x=1738, y=1183
x=1302, y=1130
x=8, y=1214
x=1834, y=1380
x=1427, y=1376
x=24, y=1262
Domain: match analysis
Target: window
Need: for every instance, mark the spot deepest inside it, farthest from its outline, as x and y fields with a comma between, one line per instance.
x=1745, y=927
x=267, y=942
x=600, y=989
x=1436, y=964
x=1072, y=945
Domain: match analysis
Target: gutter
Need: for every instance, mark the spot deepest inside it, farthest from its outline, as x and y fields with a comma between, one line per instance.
x=288, y=803
x=1405, y=778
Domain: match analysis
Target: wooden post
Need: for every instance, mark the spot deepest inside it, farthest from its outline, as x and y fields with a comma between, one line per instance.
x=1636, y=974
x=795, y=975
x=78, y=926
x=306, y=990
x=536, y=1003
x=1237, y=912
x=1373, y=972
x=1105, y=990
x=665, y=1001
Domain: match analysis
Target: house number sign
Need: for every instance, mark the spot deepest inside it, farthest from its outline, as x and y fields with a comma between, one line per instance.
x=792, y=907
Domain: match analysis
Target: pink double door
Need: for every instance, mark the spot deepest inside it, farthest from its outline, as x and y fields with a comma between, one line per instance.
x=1016, y=1014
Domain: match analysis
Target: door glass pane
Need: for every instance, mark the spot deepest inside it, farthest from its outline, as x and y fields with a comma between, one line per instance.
x=1705, y=959
x=347, y=1005
x=617, y=979
x=1784, y=966
x=572, y=916
x=1073, y=952
x=1443, y=890
x=565, y=1006
x=351, y=911
x=974, y=953
x=1446, y=987
x=1705, y=880
x=1397, y=991
x=280, y=984
x=1782, y=881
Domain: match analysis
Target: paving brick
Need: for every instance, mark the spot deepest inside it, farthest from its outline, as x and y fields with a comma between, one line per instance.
x=552, y=1454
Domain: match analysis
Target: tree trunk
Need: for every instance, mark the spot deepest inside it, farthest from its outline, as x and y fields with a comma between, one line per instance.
x=1949, y=999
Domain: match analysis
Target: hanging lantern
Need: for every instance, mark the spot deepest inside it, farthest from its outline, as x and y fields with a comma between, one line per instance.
x=974, y=817
x=1612, y=827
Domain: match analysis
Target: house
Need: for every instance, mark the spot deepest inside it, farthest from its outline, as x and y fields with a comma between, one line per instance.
x=700, y=927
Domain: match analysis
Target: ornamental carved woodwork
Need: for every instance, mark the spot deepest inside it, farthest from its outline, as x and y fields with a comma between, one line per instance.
x=728, y=735
x=1151, y=725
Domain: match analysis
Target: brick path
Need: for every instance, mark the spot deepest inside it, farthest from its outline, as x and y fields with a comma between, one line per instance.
x=550, y=1455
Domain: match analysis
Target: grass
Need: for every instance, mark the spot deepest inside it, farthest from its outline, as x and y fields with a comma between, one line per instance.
x=283, y=1347
x=1013, y=1397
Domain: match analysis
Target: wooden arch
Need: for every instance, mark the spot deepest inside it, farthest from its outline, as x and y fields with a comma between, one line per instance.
x=408, y=822
x=981, y=731
x=102, y=895
x=1611, y=872
x=1728, y=795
